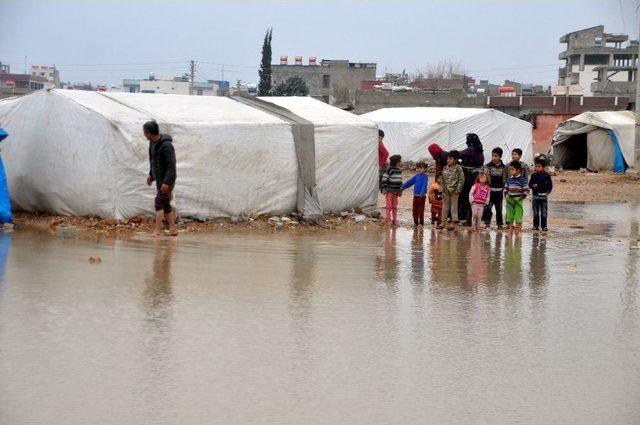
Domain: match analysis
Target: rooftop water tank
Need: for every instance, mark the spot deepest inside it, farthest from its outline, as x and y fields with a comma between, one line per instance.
x=313, y=60
x=298, y=60
x=284, y=59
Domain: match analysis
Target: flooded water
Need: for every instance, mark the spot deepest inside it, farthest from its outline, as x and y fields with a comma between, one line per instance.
x=367, y=327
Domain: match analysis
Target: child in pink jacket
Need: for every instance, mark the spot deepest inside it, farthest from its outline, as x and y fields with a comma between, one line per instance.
x=479, y=198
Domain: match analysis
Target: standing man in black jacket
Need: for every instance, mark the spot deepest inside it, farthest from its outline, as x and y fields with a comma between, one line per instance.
x=162, y=158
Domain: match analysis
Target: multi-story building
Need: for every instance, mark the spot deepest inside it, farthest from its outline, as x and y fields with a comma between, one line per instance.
x=168, y=85
x=49, y=72
x=20, y=84
x=598, y=63
x=130, y=85
x=333, y=81
x=5, y=68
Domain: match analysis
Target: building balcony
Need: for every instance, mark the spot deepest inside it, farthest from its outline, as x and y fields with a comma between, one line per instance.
x=615, y=38
x=613, y=88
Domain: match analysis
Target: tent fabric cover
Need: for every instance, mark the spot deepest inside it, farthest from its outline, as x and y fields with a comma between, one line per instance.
x=5, y=201
x=83, y=153
x=409, y=131
x=303, y=132
x=595, y=125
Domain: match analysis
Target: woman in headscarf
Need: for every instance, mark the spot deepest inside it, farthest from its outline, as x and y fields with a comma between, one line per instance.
x=439, y=156
x=472, y=161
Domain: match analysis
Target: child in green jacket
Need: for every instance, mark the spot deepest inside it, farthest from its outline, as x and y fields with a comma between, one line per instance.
x=452, y=182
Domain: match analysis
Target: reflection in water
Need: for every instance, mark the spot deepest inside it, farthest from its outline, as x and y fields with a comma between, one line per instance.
x=494, y=261
x=477, y=262
x=157, y=301
x=389, y=263
x=538, y=269
x=158, y=292
x=417, y=256
x=630, y=289
x=512, y=267
x=5, y=243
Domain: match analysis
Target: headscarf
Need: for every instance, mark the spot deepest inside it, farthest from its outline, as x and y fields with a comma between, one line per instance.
x=435, y=150
x=474, y=140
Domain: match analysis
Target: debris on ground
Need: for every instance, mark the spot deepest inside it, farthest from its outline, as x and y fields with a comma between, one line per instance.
x=94, y=259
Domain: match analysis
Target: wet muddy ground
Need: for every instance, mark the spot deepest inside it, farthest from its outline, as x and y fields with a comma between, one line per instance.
x=367, y=326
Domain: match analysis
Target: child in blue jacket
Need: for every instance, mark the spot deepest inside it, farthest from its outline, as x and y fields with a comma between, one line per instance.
x=420, y=183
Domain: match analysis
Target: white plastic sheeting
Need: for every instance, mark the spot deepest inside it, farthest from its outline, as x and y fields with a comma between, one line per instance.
x=83, y=153
x=621, y=122
x=409, y=131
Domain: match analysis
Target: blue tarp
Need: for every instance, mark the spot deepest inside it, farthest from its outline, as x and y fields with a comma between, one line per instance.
x=619, y=164
x=5, y=200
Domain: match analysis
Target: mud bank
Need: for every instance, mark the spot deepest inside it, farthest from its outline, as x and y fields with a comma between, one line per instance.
x=92, y=226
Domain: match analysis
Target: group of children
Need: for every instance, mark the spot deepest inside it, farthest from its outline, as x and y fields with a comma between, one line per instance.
x=495, y=184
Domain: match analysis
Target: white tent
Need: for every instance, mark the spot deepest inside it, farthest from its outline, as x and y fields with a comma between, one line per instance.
x=596, y=140
x=409, y=131
x=83, y=153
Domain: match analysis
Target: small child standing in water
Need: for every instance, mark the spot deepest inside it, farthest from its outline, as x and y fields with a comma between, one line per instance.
x=435, y=200
x=420, y=183
x=452, y=183
x=391, y=185
x=516, y=190
x=541, y=186
x=479, y=199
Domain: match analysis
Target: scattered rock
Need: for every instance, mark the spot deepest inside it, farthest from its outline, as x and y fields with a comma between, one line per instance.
x=274, y=221
x=135, y=219
x=344, y=213
x=110, y=221
x=583, y=170
x=563, y=180
x=359, y=218
x=94, y=259
x=53, y=223
x=67, y=231
x=235, y=219
x=285, y=219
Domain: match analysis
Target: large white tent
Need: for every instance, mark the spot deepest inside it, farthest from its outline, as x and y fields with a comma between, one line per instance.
x=596, y=140
x=83, y=153
x=409, y=131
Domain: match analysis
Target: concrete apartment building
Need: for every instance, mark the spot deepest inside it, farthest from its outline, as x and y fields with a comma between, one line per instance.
x=48, y=72
x=333, y=81
x=19, y=84
x=169, y=85
x=598, y=63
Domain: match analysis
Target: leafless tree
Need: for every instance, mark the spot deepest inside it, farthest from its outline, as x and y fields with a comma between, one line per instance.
x=442, y=70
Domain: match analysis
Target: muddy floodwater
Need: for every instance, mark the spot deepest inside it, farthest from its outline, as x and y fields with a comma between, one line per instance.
x=362, y=327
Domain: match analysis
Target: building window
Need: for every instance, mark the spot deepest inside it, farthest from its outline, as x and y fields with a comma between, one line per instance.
x=132, y=89
x=326, y=81
x=199, y=93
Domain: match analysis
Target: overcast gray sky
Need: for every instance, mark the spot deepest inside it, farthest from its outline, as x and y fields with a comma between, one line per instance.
x=103, y=42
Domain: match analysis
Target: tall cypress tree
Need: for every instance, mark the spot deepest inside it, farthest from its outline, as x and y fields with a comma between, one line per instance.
x=264, y=87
